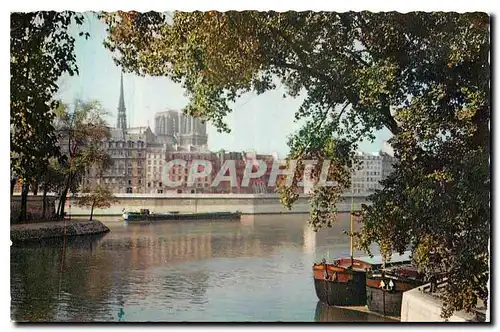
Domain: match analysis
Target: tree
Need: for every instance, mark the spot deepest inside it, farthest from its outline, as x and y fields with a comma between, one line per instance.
x=52, y=180
x=422, y=76
x=41, y=50
x=99, y=197
x=81, y=131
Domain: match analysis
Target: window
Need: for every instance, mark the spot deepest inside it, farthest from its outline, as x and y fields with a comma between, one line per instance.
x=160, y=191
x=149, y=184
x=129, y=182
x=129, y=190
x=140, y=181
x=159, y=184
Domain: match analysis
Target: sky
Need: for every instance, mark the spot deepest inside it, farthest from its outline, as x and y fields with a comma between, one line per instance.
x=258, y=123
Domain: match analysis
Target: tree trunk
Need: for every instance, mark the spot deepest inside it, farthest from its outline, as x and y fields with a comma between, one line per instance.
x=92, y=210
x=58, y=212
x=12, y=185
x=35, y=188
x=62, y=201
x=44, y=200
x=24, y=203
x=58, y=206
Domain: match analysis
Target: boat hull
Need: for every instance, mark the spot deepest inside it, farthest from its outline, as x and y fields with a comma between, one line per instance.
x=340, y=286
x=387, y=301
x=140, y=218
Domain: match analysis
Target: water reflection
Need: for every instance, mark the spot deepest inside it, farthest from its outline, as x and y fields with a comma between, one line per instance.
x=329, y=314
x=256, y=270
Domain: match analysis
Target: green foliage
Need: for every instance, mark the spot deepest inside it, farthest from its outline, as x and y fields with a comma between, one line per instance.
x=41, y=50
x=98, y=197
x=423, y=76
x=81, y=131
x=54, y=177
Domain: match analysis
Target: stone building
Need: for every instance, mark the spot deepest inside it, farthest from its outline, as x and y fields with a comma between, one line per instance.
x=128, y=151
x=155, y=161
x=374, y=168
x=175, y=128
x=128, y=148
x=181, y=174
x=139, y=154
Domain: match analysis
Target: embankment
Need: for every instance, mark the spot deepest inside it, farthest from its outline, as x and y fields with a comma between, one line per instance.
x=55, y=229
x=193, y=203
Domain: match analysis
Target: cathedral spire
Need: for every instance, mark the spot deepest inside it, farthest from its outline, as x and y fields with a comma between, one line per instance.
x=122, y=116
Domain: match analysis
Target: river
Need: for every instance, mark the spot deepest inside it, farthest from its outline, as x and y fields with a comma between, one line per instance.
x=256, y=269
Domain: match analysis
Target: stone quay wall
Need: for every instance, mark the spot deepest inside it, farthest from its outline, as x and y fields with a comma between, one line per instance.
x=420, y=306
x=193, y=203
x=34, y=207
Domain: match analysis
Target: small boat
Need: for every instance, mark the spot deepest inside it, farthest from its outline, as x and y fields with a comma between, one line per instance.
x=144, y=215
x=343, y=282
x=385, y=287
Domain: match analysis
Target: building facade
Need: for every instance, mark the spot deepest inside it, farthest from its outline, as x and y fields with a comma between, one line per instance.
x=374, y=168
x=175, y=128
x=128, y=152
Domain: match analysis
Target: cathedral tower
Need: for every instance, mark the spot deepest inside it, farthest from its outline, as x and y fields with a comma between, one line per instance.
x=122, y=116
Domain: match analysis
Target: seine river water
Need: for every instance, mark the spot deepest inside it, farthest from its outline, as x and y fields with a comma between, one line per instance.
x=256, y=269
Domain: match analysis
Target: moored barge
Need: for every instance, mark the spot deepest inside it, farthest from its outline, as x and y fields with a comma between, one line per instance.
x=385, y=287
x=144, y=216
x=343, y=282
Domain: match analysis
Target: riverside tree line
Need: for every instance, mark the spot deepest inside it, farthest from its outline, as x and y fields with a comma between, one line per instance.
x=53, y=145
